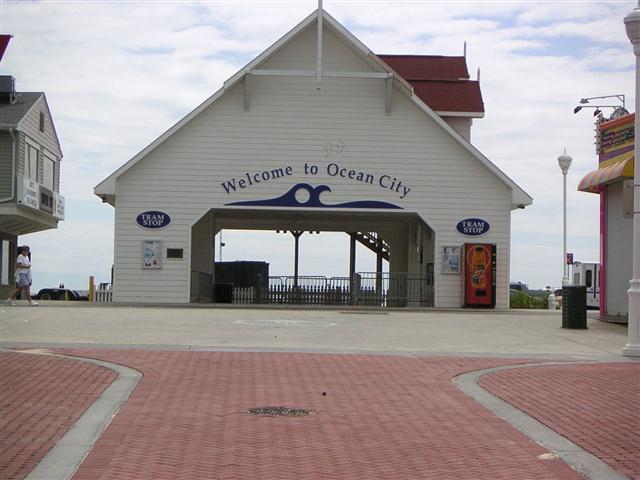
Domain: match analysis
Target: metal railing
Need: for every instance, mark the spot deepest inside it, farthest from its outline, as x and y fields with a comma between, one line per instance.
x=103, y=294
x=368, y=288
x=304, y=290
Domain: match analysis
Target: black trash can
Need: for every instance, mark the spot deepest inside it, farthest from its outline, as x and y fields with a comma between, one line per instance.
x=574, y=306
x=223, y=292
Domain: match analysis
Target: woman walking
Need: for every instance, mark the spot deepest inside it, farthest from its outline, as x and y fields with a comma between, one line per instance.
x=23, y=277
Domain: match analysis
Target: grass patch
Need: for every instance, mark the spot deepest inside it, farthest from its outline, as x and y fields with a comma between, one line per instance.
x=523, y=300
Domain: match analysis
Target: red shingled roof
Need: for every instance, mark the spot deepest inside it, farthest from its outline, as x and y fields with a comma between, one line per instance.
x=441, y=82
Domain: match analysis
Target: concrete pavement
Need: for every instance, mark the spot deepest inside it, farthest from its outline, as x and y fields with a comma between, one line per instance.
x=348, y=330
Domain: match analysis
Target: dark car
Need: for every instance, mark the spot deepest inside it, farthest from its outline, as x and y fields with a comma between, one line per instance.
x=58, y=294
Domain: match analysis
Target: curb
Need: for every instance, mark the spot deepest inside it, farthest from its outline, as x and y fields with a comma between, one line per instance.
x=572, y=454
x=61, y=462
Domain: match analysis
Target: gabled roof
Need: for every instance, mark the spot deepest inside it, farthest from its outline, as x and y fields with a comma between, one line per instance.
x=107, y=188
x=440, y=82
x=12, y=113
x=428, y=67
x=449, y=97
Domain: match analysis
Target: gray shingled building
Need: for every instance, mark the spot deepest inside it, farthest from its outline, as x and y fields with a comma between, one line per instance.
x=30, y=156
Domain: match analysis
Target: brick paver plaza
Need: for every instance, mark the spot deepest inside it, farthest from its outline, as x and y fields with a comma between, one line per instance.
x=41, y=397
x=378, y=416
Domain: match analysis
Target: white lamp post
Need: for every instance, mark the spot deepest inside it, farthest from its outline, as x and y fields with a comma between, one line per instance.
x=222, y=244
x=564, y=161
x=632, y=348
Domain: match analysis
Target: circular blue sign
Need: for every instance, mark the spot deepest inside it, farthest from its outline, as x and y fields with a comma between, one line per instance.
x=153, y=219
x=473, y=227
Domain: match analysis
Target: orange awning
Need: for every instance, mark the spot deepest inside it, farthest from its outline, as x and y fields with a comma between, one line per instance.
x=593, y=181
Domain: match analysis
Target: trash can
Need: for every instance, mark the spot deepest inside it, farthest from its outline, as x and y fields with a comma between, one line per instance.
x=223, y=292
x=574, y=306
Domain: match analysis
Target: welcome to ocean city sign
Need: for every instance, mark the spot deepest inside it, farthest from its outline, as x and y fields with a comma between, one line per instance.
x=333, y=170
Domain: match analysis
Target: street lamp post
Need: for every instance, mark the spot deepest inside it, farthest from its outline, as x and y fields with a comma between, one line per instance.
x=564, y=161
x=632, y=348
x=222, y=244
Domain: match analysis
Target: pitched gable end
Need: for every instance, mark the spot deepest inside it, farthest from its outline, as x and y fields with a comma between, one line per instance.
x=294, y=55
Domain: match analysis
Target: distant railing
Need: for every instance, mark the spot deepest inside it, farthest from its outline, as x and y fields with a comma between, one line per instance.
x=375, y=289
x=103, y=294
x=311, y=290
x=244, y=295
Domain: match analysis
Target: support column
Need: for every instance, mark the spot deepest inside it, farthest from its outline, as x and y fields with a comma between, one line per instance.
x=379, y=269
x=352, y=267
x=632, y=347
x=296, y=235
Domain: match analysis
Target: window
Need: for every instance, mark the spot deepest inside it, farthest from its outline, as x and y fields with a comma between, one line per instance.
x=48, y=172
x=589, y=278
x=174, y=253
x=576, y=278
x=46, y=200
x=31, y=165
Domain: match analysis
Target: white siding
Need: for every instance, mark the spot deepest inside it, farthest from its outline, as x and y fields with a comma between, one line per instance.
x=202, y=245
x=290, y=123
x=47, y=141
x=30, y=125
x=462, y=125
x=6, y=164
x=300, y=54
x=619, y=252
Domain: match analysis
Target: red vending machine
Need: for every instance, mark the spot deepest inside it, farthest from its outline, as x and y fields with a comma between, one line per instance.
x=479, y=275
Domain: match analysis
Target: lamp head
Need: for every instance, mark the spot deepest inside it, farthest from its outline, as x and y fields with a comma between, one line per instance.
x=632, y=25
x=578, y=108
x=564, y=161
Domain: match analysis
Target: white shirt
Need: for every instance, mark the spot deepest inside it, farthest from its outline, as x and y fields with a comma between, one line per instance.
x=23, y=260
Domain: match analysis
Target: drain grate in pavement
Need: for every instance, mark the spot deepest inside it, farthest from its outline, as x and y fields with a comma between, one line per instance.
x=281, y=411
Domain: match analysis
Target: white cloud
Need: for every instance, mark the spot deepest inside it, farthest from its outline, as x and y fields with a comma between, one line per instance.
x=118, y=74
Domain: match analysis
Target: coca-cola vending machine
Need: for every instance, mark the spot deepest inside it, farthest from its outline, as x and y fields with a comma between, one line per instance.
x=479, y=275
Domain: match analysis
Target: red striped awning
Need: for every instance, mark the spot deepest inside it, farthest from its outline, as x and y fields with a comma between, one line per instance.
x=594, y=181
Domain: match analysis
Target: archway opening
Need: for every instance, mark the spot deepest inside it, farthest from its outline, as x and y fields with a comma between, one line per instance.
x=314, y=258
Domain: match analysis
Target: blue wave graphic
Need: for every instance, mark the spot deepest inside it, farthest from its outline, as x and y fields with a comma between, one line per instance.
x=289, y=200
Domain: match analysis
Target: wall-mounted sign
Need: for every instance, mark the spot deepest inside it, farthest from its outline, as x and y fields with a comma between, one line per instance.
x=151, y=254
x=29, y=193
x=58, y=204
x=615, y=137
x=388, y=181
x=305, y=195
x=451, y=259
x=153, y=219
x=32, y=194
x=473, y=227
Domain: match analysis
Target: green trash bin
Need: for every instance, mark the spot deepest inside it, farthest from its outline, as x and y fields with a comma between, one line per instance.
x=574, y=306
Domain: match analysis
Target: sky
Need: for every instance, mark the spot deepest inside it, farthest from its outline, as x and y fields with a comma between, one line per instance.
x=119, y=74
